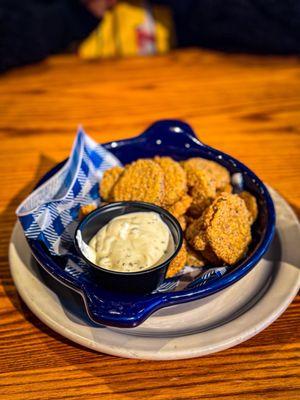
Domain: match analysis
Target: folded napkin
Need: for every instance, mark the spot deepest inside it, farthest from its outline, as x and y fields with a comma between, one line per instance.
x=50, y=213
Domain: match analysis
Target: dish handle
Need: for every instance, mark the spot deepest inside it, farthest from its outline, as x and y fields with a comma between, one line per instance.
x=126, y=312
x=171, y=132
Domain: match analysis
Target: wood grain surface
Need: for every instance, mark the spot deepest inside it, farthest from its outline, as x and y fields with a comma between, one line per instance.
x=244, y=105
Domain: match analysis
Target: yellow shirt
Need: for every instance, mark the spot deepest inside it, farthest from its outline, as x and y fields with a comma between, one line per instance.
x=130, y=28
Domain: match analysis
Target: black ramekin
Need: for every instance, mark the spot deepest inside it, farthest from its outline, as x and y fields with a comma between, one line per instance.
x=134, y=282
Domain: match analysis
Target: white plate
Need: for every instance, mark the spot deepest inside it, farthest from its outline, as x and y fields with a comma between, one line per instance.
x=184, y=331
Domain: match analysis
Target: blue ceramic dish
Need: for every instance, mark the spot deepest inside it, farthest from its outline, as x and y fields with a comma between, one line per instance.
x=144, y=281
x=177, y=140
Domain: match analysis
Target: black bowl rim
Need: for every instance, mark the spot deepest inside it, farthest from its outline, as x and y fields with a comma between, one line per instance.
x=148, y=206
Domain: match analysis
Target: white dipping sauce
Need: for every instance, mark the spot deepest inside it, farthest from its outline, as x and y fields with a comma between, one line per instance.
x=132, y=242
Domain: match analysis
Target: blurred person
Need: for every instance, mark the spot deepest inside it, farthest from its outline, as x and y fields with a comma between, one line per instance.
x=30, y=30
x=155, y=26
x=33, y=29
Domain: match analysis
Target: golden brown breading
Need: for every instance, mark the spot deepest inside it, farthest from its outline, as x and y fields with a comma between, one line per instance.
x=143, y=180
x=175, y=179
x=224, y=227
x=216, y=223
x=182, y=222
x=108, y=181
x=178, y=262
x=220, y=174
x=189, y=219
x=251, y=205
x=181, y=206
x=203, y=192
x=229, y=232
x=196, y=210
x=227, y=188
x=194, y=258
x=195, y=234
x=85, y=210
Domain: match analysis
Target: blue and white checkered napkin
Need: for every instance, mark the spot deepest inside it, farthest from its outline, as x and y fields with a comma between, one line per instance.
x=50, y=213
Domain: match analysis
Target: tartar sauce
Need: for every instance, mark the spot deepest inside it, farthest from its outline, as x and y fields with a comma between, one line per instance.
x=132, y=242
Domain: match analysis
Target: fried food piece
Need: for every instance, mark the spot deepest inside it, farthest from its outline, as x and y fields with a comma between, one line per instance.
x=210, y=256
x=217, y=171
x=251, y=205
x=143, y=180
x=180, y=207
x=178, y=262
x=85, y=210
x=195, y=234
x=182, y=222
x=196, y=210
x=189, y=219
x=175, y=179
x=108, y=181
x=227, y=188
x=203, y=192
x=194, y=258
x=229, y=231
x=223, y=228
x=202, y=187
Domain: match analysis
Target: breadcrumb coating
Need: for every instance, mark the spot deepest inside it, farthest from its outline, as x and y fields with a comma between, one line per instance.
x=178, y=262
x=175, y=179
x=182, y=222
x=194, y=258
x=203, y=191
x=85, y=210
x=251, y=205
x=224, y=227
x=143, y=180
x=195, y=234
x=216, y=223
x=227, y=188
x=180, y=207
x=217, y=171
x=108, y=181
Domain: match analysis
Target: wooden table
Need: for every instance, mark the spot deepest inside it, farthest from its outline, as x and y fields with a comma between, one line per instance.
x=244, y=105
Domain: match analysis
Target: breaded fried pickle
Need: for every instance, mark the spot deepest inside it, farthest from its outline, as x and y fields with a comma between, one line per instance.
x=143, y=180
x=194, y=258
x=85, y=210
x=203, y=191
x=223, y=229
x=229, y=232
x=108, y=181
x=189, y=219
x=251, y=205
x=220, y=174
x=227, y=188
x=178, y=262
x=175, y=179
x=182, y=222
x=180, y=207
x=195, y=233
